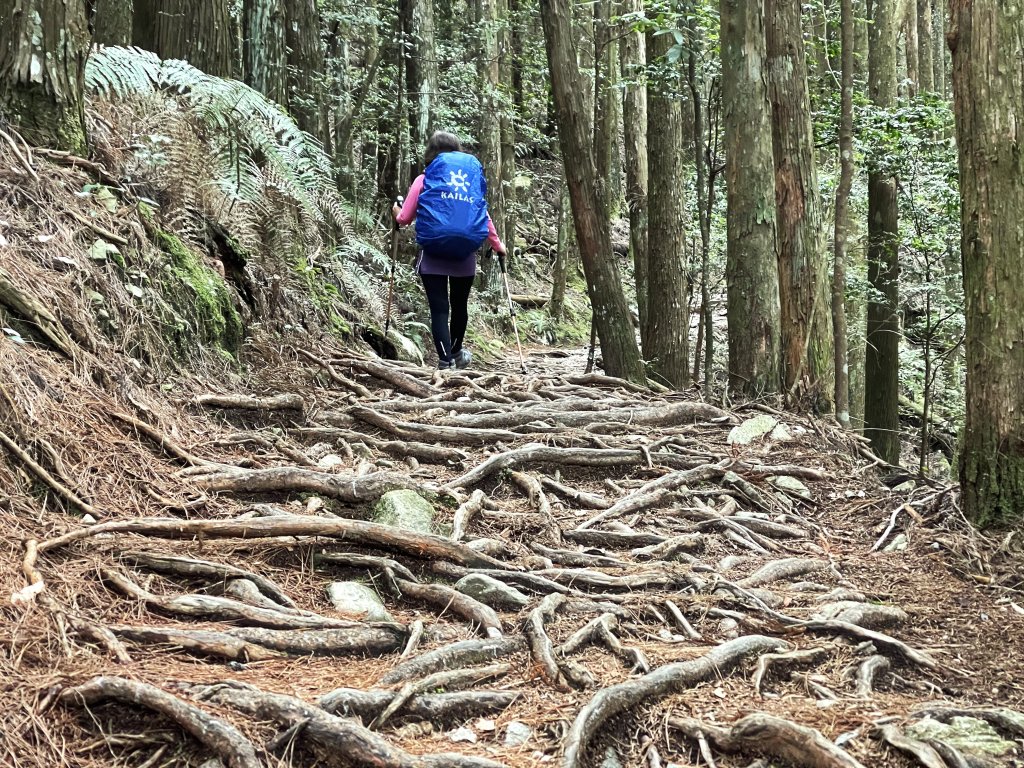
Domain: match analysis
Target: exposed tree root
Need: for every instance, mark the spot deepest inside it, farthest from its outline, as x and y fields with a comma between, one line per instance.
x=162, y=441
x=1007, y=720
x=533, y=489
x=924, y=753
x=602, y=630
x=432, y=707
x=579, y=498
x=445, y=598
x=663, y=681
x=769, y=660
x=779, y=570
x=409, y=430
x=224, y=739
x=187, y=566
x=431, y=454
x=867, y=671
x=390, y=374
x=44, y=476
x=368, y=534
x=295, y=479
x=286, y=402
x=353, y=386
x=335, y=740
x=799, y=745
x=457, y=655
x=450, y=680
x=565, y=415
x=465, y=513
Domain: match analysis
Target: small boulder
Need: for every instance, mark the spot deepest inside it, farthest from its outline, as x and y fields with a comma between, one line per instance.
x=967, y=734
x=517, y=734
x=752, y=429
x=405, y=348
x=405, y=509
x=353, y=597
x=492, y=592
x=790, y=485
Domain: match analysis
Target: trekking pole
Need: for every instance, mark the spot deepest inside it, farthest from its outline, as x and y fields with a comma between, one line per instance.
x=394, y=260
x=512, y=311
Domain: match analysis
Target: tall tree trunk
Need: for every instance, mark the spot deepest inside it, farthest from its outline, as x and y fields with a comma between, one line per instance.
x=881, y=395
x=112, y=22
x=265, y=54
x=925, y=46
x=421, y=72
x=939, y=49
x=560, y=271
x=842, y=214
x=806, y=324
x=509, y=118
x=306, y=67
x=702, y=161
x=752, y=274
x=860, y=42
x=198, y=31
x=633, y=55
x=43, y=48
x=611, y=312
x=666, y=335
x=913, y=55
x=987, y=41
x=489, y=73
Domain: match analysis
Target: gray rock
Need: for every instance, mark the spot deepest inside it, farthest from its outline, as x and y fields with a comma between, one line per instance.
x=517, y=734
x=791, y=485
x=492, y=592
x=898, y=544
x=968, y=734
x=752, y=429
x=867, y=615
x=405, y=509
x=353, y=597
x=405, y=348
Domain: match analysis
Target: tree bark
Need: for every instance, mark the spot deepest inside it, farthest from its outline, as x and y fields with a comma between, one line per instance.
x=489, y=74
x=806, y=323
x=842, y=213
x=306, y=66
x=911, y=47
x=421, y=71
x=112, y=22
x=633, y=59
x=925, y=45
x=197, y=31
x=881, y=386
x=751, y=262
x=939, y=49
x=43, y=48
x=265, y=54
x=611, y=312
x=666, y=334
x=987, y=42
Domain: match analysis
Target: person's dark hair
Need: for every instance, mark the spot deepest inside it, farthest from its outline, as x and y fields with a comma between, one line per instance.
x=441, y=141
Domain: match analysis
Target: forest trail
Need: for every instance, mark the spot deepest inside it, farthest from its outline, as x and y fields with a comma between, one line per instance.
x=657, y=588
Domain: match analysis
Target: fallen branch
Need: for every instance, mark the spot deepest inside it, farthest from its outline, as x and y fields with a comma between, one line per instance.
x=799, y=745
x=216, y=734
x=36, y=314
x=654, y=686
x=423, y=545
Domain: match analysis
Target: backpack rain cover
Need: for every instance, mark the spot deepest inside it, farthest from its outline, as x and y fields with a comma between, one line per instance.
x=451, y=215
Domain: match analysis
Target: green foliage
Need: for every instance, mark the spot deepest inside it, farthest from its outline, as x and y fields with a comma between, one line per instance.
x=257, y=145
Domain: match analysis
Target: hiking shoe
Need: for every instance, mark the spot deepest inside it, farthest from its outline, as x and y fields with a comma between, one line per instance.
x=463, y=358
x=444, y=365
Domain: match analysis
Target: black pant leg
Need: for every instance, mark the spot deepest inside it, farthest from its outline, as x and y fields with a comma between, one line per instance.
x=436, y=288
x=460, y=288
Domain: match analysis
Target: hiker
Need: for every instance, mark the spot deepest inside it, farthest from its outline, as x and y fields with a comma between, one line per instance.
x=448, y=203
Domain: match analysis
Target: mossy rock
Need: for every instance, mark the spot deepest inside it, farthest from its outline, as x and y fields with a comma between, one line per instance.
x=968, y=734
x=405, y=509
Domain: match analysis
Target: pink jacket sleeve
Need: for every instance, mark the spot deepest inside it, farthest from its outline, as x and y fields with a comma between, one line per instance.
x=492, y=237
x=408, y=213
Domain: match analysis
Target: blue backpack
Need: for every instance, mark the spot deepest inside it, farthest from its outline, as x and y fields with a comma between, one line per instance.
x=451, y=215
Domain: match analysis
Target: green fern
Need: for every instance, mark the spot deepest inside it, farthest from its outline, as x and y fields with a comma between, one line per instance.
x=257, y=145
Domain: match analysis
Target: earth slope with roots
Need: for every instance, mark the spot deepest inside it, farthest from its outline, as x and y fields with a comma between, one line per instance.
x=667, y=582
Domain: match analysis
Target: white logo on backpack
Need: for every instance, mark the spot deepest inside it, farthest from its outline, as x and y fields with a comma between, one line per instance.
x=458, y=181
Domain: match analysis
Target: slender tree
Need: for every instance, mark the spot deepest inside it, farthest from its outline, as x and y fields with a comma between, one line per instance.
x=806, y=322
x=575, y=133
x=43, y=48
x=987, y=42
x=265, y=54
x=489, y=132
x=421, y=67
x=667, y=330
x=925, y=46
x=752, y=274
x=112, y=22
x=881, y=387
x=198, y=31
x=633, y=59
x=306, y=67
x=842, y=216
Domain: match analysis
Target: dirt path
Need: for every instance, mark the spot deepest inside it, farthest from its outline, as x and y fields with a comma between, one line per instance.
x=658, y=592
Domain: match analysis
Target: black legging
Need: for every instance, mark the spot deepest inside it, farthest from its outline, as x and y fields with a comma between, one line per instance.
x=447, y=340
